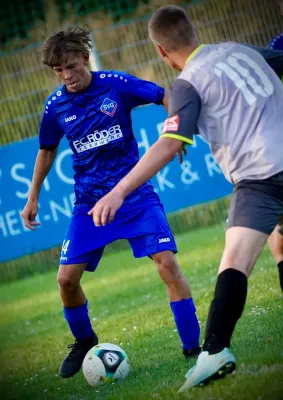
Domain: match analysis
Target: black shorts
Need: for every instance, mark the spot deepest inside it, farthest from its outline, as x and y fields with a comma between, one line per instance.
x=257, y=204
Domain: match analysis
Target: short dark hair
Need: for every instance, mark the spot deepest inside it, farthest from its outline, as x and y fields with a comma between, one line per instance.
x=75, y=38
x=170, y=26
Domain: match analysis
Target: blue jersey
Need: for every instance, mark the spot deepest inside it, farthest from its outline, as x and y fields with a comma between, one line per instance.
x=97, y=124
x=276, y=43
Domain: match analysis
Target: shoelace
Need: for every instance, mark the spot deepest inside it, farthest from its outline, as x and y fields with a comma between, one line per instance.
x=72, y=346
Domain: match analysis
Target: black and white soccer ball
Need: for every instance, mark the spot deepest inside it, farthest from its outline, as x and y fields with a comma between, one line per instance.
x=105, y=362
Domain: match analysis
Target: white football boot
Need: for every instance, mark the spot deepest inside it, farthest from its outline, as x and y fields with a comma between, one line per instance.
x=209, y=367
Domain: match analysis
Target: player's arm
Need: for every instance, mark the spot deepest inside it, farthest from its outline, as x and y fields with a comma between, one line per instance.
x=179, y=128
x=44, y=161
x=137, y=92
x=165, y=100
x=160, y=154
x=49, y=137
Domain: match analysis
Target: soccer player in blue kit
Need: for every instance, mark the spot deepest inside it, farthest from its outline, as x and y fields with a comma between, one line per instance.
x=93, y=111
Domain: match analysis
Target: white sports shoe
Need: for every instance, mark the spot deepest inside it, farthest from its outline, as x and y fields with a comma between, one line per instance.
x=209, y=367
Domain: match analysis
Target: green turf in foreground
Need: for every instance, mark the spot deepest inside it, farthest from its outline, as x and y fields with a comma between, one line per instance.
x=128, y=306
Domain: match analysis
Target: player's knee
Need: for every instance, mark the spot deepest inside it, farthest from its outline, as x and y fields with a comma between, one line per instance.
x=167, y=267
x=275, y=243
x=233, y=258
x=67, y=283
x=242, y=249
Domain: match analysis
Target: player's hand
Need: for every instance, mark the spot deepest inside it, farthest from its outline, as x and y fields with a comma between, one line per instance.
x=180, y=153
x=29, y=213
x=105, y=209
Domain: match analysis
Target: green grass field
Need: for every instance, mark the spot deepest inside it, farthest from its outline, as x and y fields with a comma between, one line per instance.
x=128, y=306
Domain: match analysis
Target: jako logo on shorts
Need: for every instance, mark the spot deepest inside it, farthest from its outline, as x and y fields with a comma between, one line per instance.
x=70, y=118
x=164, y=240
x=98, y=138
x=108, y=107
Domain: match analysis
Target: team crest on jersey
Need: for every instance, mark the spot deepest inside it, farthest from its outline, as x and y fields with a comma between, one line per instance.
x=171, y=124
x=108, y=106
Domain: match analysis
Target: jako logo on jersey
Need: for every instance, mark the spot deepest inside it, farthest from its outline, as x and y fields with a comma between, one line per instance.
x=70, y=118
x=98, y=138
x=164, y=240
x=171, y=124
x=108, y=107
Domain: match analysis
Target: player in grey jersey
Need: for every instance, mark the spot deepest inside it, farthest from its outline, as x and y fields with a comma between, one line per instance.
x=232, y=97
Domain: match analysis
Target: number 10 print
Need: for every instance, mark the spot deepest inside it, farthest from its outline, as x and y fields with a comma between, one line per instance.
x=242, y=77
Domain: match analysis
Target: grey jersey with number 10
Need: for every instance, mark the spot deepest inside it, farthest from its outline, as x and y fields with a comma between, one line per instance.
x=241, y=114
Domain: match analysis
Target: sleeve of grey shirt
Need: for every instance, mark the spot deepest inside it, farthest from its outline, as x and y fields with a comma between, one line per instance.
x=274, y=58
x=184, y=110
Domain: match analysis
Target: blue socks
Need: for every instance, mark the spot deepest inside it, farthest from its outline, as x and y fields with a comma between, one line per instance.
x=184, y=312
x=79, y=322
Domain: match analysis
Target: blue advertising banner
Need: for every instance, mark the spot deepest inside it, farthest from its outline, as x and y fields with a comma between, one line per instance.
x=198, y=179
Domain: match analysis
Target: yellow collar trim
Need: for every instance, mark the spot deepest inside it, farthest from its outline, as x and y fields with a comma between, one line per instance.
x=194, y=53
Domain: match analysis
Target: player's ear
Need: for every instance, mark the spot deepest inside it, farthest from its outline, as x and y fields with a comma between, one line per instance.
x=161, y=51
x=86, y=59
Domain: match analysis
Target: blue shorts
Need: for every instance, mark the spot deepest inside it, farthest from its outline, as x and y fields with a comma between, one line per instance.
x=142, y=223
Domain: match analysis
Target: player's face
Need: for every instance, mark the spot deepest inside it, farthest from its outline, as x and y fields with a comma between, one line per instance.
x=74, y=73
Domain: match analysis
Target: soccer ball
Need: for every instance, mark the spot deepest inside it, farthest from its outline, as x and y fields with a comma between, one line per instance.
x=105, y=362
